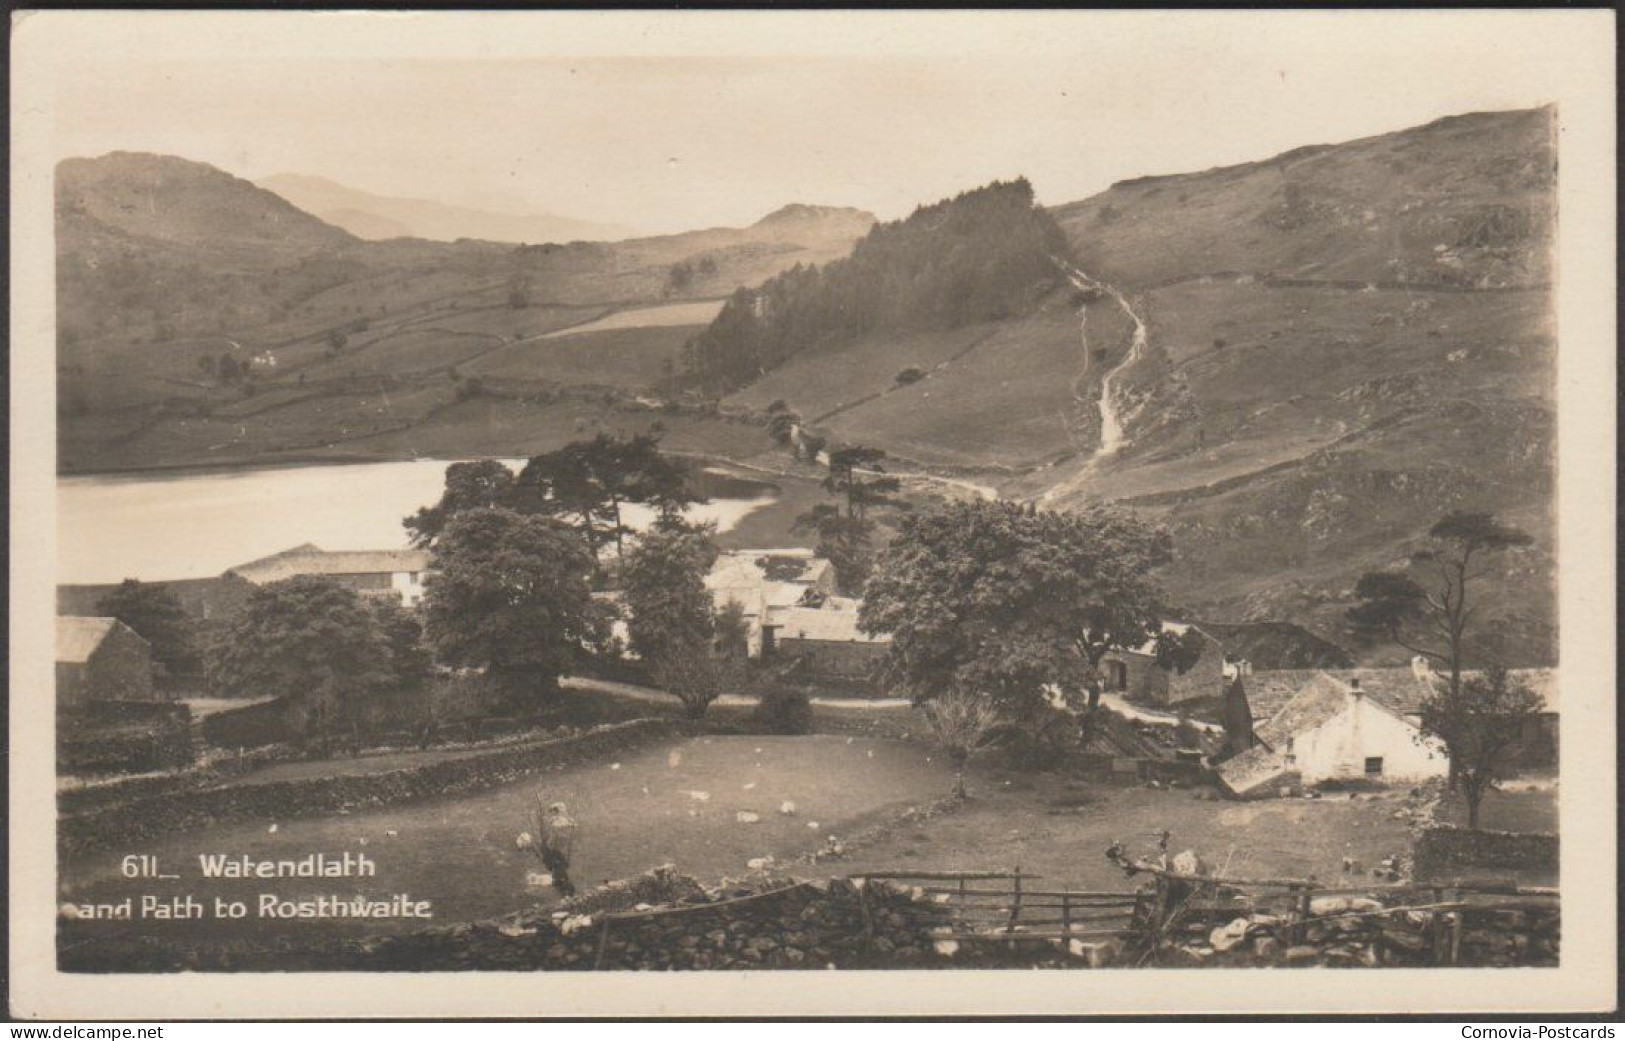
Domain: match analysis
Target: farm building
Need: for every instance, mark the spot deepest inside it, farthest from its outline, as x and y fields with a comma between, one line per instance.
x=371, y=572
x=760, y=579
x=382, y=572
x=1404, y=688
x=1332, y=729
x=205, y=599
x=825, y=636
x=100, y=659
x=1135, y=673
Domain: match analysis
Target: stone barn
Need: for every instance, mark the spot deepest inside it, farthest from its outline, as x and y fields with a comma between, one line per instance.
x=1134, y=672
x=825, y=639
x=101, y=659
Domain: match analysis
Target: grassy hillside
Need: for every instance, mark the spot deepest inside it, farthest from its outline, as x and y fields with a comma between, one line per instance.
x=1465, y=200
x=203, y=319
x=1342, y=343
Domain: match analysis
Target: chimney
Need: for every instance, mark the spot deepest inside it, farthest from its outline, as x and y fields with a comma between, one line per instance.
x=1420, y=668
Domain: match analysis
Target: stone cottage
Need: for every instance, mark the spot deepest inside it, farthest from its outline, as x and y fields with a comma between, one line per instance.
x=396, y=573
x=101, y=659
x=823, y=634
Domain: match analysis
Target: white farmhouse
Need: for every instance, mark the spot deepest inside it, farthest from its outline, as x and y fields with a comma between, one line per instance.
x=1330, y=730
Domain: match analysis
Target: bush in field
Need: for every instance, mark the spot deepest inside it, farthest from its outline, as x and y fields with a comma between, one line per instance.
x=783, y=710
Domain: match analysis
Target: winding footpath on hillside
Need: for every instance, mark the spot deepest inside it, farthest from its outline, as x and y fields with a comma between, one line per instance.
x=1112, y=436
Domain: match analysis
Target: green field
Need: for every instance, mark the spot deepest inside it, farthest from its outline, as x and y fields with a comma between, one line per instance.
x=631, y=358
x=634, y=813
x=1060, y=831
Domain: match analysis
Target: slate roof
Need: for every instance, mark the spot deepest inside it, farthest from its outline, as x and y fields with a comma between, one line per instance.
x=77, y=637
x=1397, y=689
x=1322, y=698
x=1252, y=769
x=313, y=560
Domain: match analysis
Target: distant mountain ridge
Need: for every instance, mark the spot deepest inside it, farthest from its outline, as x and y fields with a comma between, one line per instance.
x=179, y=202
x=372, y=216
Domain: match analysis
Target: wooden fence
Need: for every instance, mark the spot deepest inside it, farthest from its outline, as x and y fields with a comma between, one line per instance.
x=1008, y=906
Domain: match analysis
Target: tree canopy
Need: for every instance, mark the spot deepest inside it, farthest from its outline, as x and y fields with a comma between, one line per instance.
x=671, y=618
x=983, y=255
x=846, y=533
x=469, y=486
x=511, y=594
x=1479, y=724
x=1001, y=601
x=156, y=616
x=591, y=481
x=1427, y=607
x=585, y=482
x=307, y=640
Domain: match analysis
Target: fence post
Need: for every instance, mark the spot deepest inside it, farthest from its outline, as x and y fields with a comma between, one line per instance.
x=1066, y=920
x=603, y=942
x=1304, y=896
x=1015, y=904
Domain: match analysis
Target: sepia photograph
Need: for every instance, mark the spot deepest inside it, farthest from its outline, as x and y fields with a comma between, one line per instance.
x=912, y=494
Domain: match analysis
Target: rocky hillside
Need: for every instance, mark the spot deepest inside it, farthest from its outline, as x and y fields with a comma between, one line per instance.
x=1342, y=343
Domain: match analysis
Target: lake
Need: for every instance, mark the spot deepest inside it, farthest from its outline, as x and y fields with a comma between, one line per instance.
x=195, y=524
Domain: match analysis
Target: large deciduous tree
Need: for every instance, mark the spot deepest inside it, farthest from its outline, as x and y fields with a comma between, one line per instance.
x=671, y=617
x=1479, y=725
x=309, y=641
x=511, y=595
x=156, y=616
x=1001, y=602
x=1427, y=607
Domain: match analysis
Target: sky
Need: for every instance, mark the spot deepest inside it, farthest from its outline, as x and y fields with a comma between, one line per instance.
x=671, y=121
